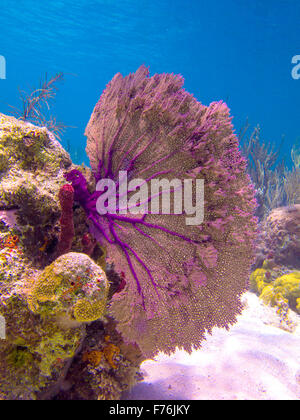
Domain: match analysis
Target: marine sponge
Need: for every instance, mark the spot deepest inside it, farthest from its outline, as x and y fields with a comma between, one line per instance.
x=72, y=287
x=66, y=199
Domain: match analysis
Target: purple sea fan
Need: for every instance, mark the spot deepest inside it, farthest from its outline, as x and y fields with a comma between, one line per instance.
x=181, y=280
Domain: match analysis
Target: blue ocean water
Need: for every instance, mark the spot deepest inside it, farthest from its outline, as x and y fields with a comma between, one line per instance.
x=236, y=50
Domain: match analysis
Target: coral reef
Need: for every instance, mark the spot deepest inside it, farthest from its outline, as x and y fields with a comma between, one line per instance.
x=30, y=181
x=105, y=367
x=285, y=288
x=87, y=297
x=279, y=239
x=180, y=280
x=49, y=304
x=275, y=276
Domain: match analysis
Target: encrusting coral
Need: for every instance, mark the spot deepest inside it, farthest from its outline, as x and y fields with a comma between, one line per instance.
x=279, y=290
x=287, y=288
x=105, y=367
x=110, y=350
x=30, y=183
x=72, y=287
x=181, y=280
x=47, y=302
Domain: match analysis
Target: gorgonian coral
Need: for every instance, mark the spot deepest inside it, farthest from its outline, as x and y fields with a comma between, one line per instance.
x=266, y=170
x=181, y=279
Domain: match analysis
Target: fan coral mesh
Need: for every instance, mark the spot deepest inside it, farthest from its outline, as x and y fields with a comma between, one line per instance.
x=181, y=280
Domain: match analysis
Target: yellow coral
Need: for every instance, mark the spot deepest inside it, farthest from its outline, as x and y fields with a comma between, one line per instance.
x=110, y=351
x=258, y=280
x=267, y=295
x=298, y=305
x=285, y=290
x=86, y=311
x=288, y=286
x=73, y=286
x=44, y=289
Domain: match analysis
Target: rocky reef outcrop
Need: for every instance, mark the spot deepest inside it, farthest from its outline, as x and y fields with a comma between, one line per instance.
x=52, y=306
x=276, y=274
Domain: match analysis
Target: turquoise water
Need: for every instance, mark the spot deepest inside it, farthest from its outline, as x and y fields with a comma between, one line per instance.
x=236, y=50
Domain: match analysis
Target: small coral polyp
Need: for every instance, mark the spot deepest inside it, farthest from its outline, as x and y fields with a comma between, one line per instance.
x=72, y=287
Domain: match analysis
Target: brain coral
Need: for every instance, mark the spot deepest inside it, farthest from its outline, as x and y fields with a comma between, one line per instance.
x=181, y=280
x=73, y=287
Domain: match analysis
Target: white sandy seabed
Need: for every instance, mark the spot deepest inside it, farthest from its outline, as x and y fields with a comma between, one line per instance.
x=255, y=360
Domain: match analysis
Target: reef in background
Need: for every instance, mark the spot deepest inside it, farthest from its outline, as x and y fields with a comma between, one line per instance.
x=275, y=184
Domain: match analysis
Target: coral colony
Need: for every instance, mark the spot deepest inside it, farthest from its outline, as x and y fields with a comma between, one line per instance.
x=180, y=280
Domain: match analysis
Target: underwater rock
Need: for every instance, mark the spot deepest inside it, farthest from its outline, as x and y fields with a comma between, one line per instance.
x=30, y=181
x=105, y=367
x=49, y=305
x=275, y=276
x=36, y=352
x=280, y=237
